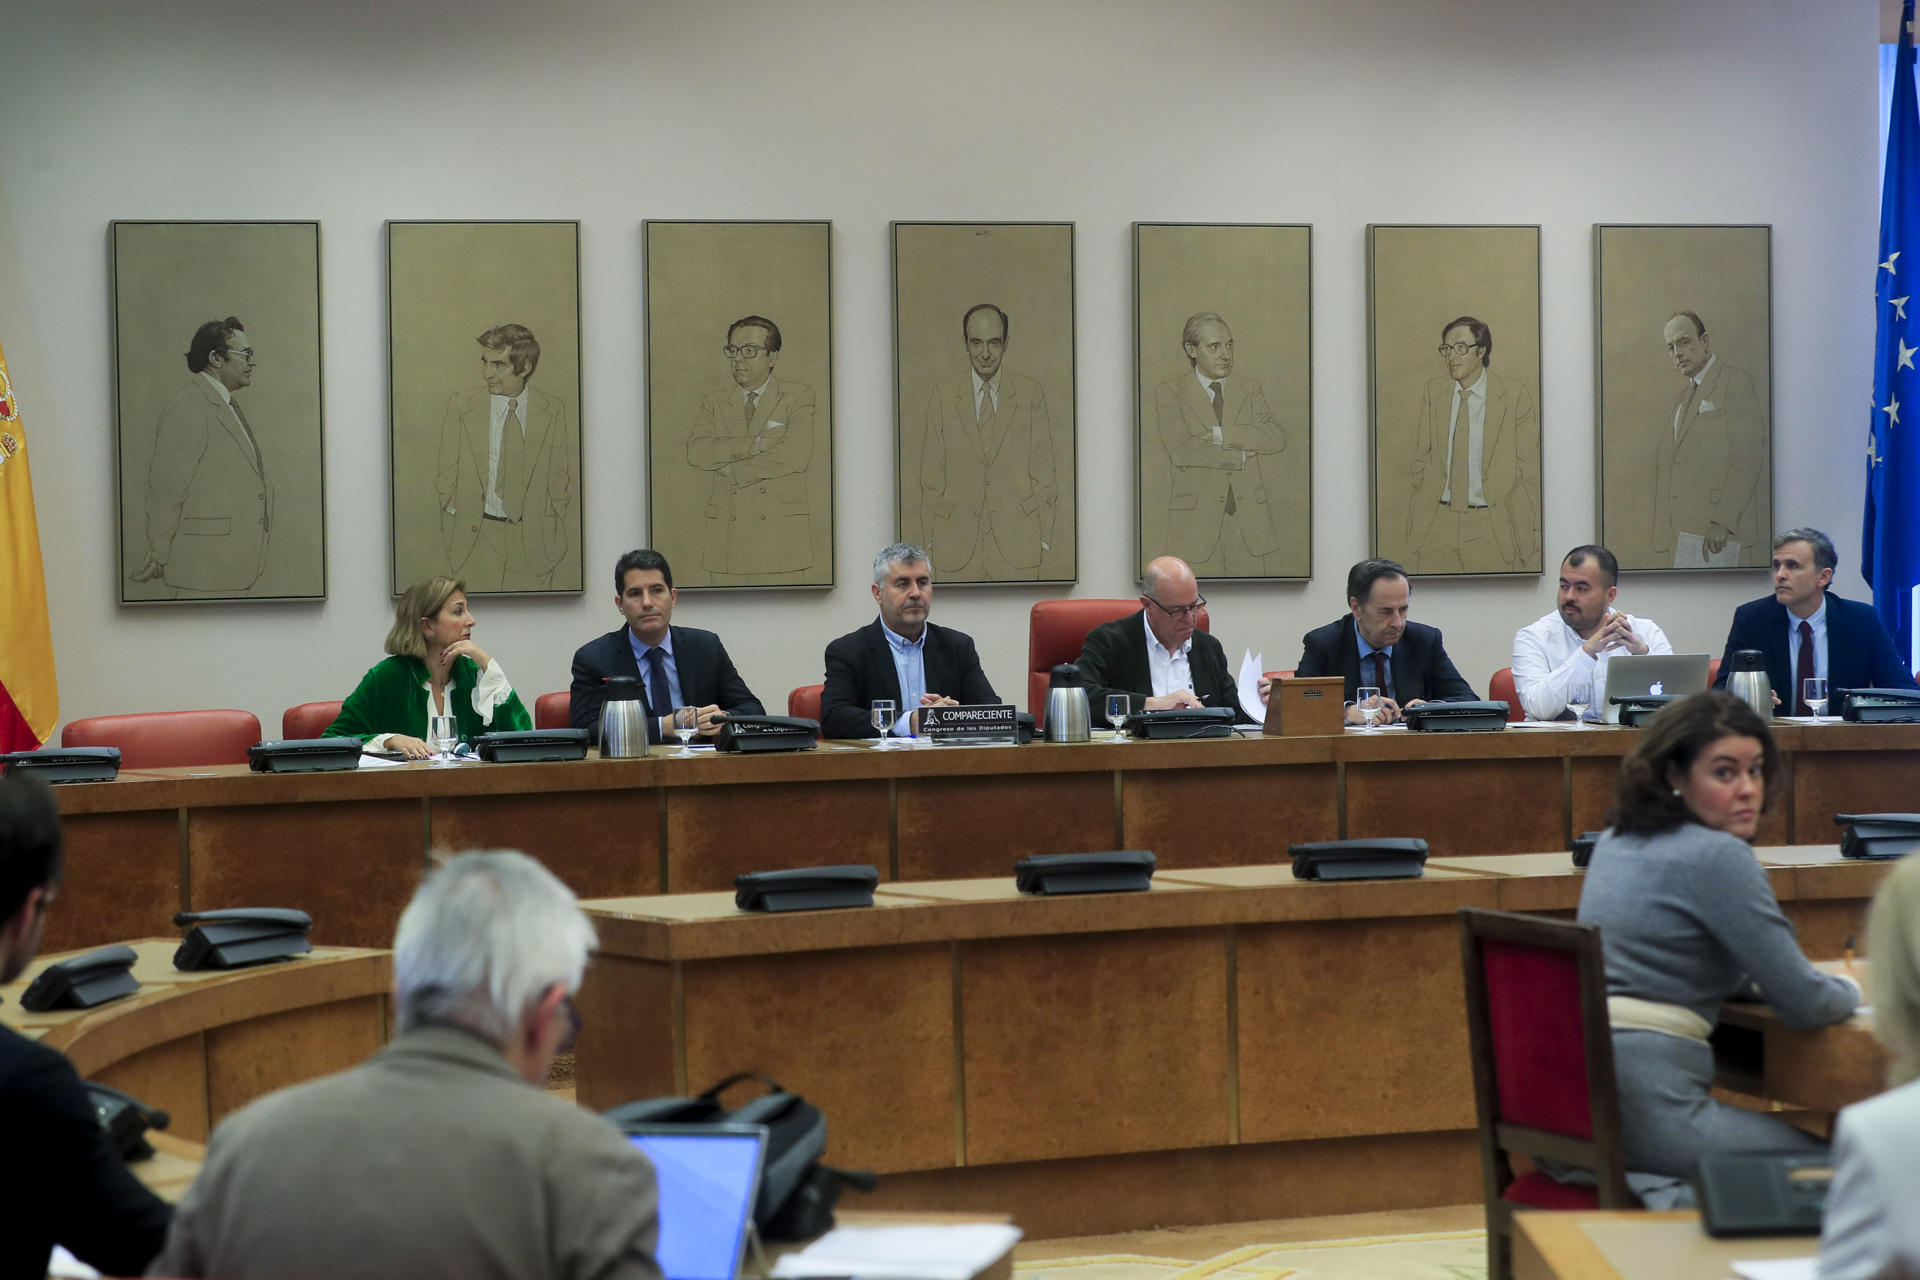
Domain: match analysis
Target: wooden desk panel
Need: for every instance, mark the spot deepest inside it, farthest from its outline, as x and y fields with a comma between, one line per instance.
x=948, y=827
x=1094, y=1045
x=715, y=833
x=1461, y=806
x=121, y=878
x=351, y=866
x=1830, y=782
x=603, y=844
x=1219, y=816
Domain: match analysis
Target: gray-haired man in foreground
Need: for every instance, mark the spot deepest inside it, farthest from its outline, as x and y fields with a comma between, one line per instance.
x=437, y=1157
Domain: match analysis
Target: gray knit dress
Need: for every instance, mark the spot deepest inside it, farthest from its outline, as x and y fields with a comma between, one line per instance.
x=1687, y=918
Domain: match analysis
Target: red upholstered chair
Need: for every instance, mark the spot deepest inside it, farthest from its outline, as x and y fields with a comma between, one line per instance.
x=1057, y=631
x=1543, y=1080
x=163, y=739
x=1279, y=675
x=308, y=720
x=1713, y=671
x=1502, y=689
x=805, y=701
x=553, y=710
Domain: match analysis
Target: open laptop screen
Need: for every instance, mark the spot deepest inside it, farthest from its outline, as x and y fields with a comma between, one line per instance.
x=708, y=1177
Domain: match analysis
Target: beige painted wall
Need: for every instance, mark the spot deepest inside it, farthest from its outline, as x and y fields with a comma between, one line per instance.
x=1095, y=111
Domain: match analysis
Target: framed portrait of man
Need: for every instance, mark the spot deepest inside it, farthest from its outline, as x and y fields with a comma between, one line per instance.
x=484, y=404
x=739, y=340
x=1453, y=397
x=1223, y=363
x=217, y=410
x=984, y=398
x=1683, y=400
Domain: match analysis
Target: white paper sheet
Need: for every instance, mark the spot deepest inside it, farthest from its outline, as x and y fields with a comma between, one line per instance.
x=942, y=1251
x=1251, y=669
x=1778, y=1269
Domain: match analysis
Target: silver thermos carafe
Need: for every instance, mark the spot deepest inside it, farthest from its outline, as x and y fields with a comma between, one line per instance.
x=1748, y=681
x=623, y=720
x=1068, y=718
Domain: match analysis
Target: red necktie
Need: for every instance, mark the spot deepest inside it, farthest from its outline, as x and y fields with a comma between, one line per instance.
x=1803, y=669
x=1380, y=673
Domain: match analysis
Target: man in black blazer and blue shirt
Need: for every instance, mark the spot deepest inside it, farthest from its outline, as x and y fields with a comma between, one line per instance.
x=676, y=666
x=899, y=656
x=1803, y=624
x=1158, y=656
x=74, y=1189
x=1377, y=646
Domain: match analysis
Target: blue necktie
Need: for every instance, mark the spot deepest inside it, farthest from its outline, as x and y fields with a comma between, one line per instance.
x=659, y=701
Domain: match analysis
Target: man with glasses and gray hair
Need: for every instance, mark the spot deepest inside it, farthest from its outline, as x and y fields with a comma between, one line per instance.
x=1158, y=656
x=439, y=1156
x=1806, y=630
x=899, y=656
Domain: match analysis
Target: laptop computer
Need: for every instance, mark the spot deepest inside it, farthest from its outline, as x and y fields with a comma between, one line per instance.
x=709, y=1177
x=1627, y=676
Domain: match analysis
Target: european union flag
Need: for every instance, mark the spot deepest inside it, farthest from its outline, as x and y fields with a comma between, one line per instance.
x=1890, y=554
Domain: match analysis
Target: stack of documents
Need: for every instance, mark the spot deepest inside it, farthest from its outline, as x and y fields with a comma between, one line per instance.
x=932, y=1251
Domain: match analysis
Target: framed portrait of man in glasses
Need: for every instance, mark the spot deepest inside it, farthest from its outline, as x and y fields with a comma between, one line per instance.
x=1453, y=354
x=740, y=401
x=1223, y=362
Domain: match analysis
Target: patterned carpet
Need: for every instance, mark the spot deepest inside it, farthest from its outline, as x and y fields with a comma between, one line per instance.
x=1440, y=1255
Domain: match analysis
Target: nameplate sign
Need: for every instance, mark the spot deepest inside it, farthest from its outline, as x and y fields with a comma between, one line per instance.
x=982, y=724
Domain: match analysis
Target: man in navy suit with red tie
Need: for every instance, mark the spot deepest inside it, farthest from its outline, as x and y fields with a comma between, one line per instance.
x=1806, y=630
x=676, y=666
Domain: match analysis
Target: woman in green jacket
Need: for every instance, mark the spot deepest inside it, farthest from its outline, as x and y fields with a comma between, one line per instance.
x=435, y=669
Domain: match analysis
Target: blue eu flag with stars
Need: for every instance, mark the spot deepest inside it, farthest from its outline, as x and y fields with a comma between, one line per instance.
x=1890, y=553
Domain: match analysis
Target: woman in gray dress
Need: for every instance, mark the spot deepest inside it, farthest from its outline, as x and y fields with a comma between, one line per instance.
x=1688, y=919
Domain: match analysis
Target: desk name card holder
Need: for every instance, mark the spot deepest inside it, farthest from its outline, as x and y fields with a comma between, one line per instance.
x=1304, y=706
x=64, y=764
x=1378, y=858
x=241, y=936
x=304, y=755
x=755, y=734
x=1878, y=837
x=83, y=982
x=986, y=723
x=806, y=888
x=1115, y=871
x=1457, y=717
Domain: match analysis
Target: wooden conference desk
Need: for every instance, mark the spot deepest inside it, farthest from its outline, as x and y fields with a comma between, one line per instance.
x=349, y=847
x=1232, y=1045
x=1645, y=1246
x=200, y=1045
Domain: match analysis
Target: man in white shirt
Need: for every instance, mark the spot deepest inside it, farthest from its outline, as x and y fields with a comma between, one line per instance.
x=505, y=476
x=1707, y=459
x=209, y=501
x=1475, y=465
x=1561, y=659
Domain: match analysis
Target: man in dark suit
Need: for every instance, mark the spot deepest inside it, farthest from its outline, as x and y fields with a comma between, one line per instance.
x=74, y=1189
x=1376, y=646
x=1806, y=630
x=676, y=666
x=899, y=656
x=1157, y=656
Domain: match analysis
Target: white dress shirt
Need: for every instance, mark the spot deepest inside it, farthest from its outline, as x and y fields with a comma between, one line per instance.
x=1476, y=434
x=1169, y=666
x=1549, y=663
x=501, y=405
x=489, y=692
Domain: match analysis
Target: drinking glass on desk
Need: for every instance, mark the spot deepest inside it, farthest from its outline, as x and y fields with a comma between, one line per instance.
x=1577, y=702
x=1119, y=707
x=1366, y=700
x=443, y=735
x=686, y=723
x=1813, y=692
x=883, y=717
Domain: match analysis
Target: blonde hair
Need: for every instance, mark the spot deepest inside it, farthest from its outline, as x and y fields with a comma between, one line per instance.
x=422, y=600
x=1893, y=969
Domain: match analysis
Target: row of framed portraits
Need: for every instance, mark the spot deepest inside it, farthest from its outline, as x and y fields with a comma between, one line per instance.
x=221, y=486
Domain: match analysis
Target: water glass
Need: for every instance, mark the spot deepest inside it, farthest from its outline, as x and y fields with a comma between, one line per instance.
x=443, y=735
x=686, y=723
x=1366, y=700
x=1119, y=707
x=1813, y=692
x=883, y=717
x=1577, y=702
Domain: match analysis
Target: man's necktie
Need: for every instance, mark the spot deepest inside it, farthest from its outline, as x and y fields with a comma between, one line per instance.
x=983, y=412
x=1681, y=414
x=1382, y=677
x=1457, y=465
x=659, y=700
x=511, y=482
x=1219, y=427
x=1803, y=669
x=751, y=397
x=246, y=429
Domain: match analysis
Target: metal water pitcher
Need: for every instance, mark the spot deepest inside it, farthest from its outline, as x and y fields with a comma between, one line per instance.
x=1748, y=681
x=623, y=720
x=1068, y=717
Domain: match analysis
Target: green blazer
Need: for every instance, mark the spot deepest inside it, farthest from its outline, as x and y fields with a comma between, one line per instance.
x=391, y=699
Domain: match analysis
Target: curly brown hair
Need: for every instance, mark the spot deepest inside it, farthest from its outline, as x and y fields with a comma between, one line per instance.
x=1644, y=801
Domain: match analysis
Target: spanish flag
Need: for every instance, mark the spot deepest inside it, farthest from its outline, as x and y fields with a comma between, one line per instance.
x=29, y=694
